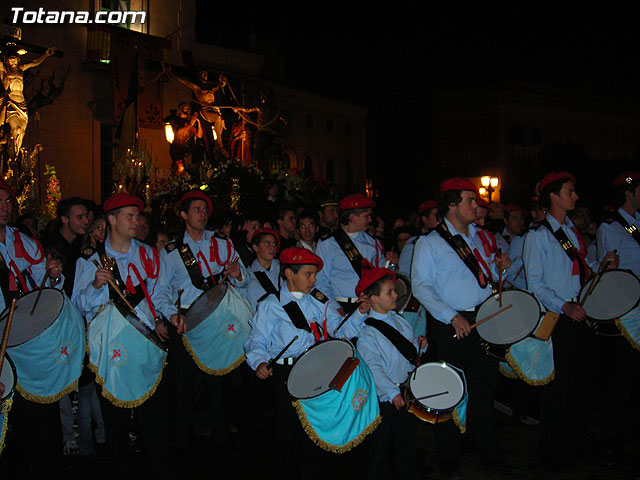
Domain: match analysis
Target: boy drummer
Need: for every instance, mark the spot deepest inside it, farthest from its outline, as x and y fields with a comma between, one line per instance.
x=390, y=350
x=311, y=319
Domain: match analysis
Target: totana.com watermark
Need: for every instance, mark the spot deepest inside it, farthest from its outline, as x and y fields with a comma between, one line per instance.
x=20, y=15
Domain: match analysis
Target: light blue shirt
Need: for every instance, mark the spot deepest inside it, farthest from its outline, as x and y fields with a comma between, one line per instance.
x=253, y=290
x=613, y=236
x=338, y=278
x=441, y=281
x=174, y=275
x=388, y=366
x=548, y=267
x=502, y=240
x=36, y=271
x=273, y=329
x=406, y=256
x=518, y=278
x=89, y=299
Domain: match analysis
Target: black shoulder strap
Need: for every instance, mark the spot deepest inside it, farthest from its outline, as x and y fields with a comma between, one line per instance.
x=462, y=249
x=191, y=264
x=133, y=298
x=568, y=247
x=404, y=346
x=297, y=317
x=631, y=229
x=349, y=249
x=265, y=282
x=319, y=296
x=5, y=272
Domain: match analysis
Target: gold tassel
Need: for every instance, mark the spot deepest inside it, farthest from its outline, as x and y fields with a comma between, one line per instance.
x=48, y=399
x=204, y=368
x=122, y=403
x=6, y=406
x=536, y=383
x=329, y=447
x=506, y=372
x=625, y=334
x=456, y=420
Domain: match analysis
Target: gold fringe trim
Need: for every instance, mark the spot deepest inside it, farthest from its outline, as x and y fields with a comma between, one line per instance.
x=5, y=410
x=625, y=334
x=330, y=447
x=456, y=420
x=506, y=372
x=122, y=403
x=516, y=368
x=48, y=399
x=204, y=368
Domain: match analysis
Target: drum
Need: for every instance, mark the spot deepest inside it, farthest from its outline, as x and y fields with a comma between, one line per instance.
x=127, y=364
x=8, y=379
x=517, y=321
x=217, y=327
x=47, y=347
x=444, y=387
x=616, y=293
x=336, y=418
x=403, y=289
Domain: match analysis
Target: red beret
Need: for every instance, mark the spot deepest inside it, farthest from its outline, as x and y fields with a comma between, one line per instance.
x=482, y=203
x=121, y=200
x=458, y=183
x=300, y=256
x=200, y=196
x=512, y=207
x=370, y=276
x=266, y=231
x=427, y=205
x=356, y=200
x=553, y=176
x=5, y=186
x=626, y=178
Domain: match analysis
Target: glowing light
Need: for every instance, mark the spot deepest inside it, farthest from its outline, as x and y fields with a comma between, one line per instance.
x=494, y=182
x=168, y=132
x=482, y=191
x=486, y=181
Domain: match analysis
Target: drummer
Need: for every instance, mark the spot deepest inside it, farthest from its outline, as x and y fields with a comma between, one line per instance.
x=343, y=252
x=451, y=285
x=137, y=265
x=429, y=219
x=555, y=276
x=312, y=319
x=391, y=361
x=194, y=263
x=264, y=273
x=23, y=266
x=512, y=240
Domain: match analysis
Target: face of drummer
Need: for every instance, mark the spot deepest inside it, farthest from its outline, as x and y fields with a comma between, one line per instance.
x=266, y=248
x=78, y=220
x=466, y=211
x=566, y=198
x=303, y=281
x=386, y=301
x=5, y=208
x=197, y=215
x=515, y=222
x=125, y=222
x=360, y=222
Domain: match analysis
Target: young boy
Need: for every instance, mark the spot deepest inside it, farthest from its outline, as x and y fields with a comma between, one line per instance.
x=380, y=343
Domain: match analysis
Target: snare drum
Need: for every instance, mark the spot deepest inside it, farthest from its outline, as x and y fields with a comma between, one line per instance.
x=9, y=380
x=434, y=378
x=512, y=325
x=127, y=364
x=615, y=294
x=46, y=347
x=217, y=327
x=336, y=420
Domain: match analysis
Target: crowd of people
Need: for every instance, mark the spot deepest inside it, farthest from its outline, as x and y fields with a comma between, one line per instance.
x=309, y=284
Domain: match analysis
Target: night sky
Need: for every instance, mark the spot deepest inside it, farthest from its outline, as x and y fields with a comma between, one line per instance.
x=389, y=60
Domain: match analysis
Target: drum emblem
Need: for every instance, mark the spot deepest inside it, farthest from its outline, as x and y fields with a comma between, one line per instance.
x=64, y=352
x=359, y=399
x=231, y=329
x=117, y=355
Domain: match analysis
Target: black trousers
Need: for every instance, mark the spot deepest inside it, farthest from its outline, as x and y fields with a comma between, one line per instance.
x=481, y=372
x=396, y=433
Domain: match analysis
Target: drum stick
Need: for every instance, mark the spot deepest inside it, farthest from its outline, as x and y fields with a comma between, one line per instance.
x=180, y=292
x=114, y=285
x=486, y=319
x=427, y=396
x=499, y=282
x=224, y=279
x=277, y=357
x=44, y=280
x=5, y=338
x=595, y=281
x=343, y=321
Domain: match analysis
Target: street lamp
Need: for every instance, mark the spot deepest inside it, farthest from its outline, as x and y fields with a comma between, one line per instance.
x=490, y=184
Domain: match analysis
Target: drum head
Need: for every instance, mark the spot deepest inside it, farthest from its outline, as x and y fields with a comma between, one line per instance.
x=513, y=324
x=24, y=326
x=8, y=377
x=314, y=369
x=616, y=293
x=204, y=305
x=403, y=289
x=437, y=377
